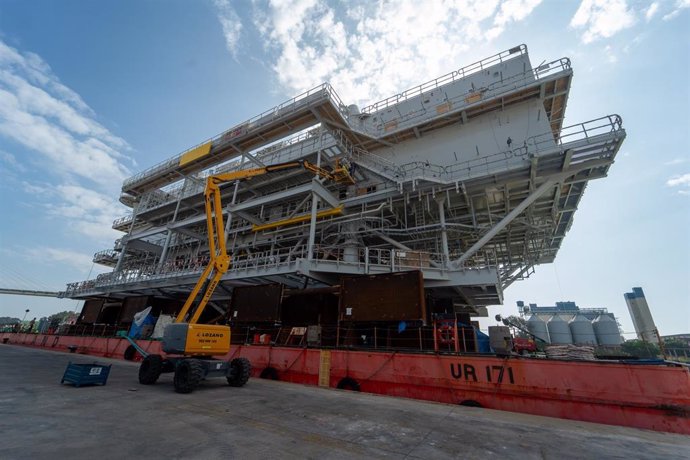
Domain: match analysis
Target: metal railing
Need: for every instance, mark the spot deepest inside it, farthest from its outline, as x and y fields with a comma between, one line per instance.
x=291, y=105
x=480, y=95
x=593, y=131
x=459, y=74
x=106, y=255
x=365, y=258
x=124, y=220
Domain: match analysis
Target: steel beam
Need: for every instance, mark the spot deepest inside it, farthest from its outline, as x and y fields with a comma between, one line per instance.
x=28, y=292
x=503, y=223
x=267, y=199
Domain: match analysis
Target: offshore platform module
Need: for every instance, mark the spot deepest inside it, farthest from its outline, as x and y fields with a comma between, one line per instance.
x=470, y=179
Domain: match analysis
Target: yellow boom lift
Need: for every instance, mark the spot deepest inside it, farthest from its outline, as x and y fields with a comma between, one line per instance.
x=190, y=346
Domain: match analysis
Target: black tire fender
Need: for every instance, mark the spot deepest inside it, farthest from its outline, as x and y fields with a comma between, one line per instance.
x=130, y=353
x=470, y=403
x=269, y=373
x=348, y=383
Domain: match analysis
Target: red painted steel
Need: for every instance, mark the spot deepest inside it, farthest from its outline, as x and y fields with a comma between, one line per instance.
x=655, y=397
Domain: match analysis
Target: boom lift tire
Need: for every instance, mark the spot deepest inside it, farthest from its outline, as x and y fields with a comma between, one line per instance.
x=150, y=369
x=188, y=375
x=239, y=372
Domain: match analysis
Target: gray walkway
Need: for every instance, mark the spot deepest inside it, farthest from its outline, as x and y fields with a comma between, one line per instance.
x=39, y=418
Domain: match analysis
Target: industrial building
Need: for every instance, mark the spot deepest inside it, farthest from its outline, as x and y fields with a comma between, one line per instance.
x=471, y=179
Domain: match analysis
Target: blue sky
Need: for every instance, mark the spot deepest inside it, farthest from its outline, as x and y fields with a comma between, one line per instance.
x=91, y=92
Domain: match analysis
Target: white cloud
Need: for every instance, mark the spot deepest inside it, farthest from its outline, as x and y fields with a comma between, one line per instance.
x=651, y=11
x=76, y=259
x=80, y=162
x=676, y=161
x=602, y=18
x=40, y=113
x=679, y=181
x=610, y=55
x=370, y=50
x=88, y=212
x=231, y=24
x=11, y=160
x=511, y=10
x=679, y=6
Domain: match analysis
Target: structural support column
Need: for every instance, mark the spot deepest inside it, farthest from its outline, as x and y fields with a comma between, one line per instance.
x=166, y=245
x=123, y=252
x=444, y=233
x=312, y=226
x=234, y=199
x=314, y=204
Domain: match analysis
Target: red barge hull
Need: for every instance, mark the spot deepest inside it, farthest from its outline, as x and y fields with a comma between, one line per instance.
x=649, y=396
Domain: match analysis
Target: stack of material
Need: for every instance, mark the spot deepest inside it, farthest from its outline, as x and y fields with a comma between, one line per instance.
x=583, y=353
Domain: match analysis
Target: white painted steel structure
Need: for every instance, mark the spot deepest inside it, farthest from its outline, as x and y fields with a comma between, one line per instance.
x=470, y=178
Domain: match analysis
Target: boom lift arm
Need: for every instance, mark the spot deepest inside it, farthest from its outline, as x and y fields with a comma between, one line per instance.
x=219, y=259
x=198, y=343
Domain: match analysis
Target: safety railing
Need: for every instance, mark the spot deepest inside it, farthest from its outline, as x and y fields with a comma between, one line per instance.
x=107, y=255
x=294, y=148
x=597, y=130
x=122, y=221
x=459, y=74
x=290, y=106
x=463, y=101
x=411, y=336
x=363, y=258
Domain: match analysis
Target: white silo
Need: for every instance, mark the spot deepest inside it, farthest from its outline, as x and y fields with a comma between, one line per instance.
x=582, y=330
x=641, y=316
x=606, y=330
x=537, y=327
x=559, y=331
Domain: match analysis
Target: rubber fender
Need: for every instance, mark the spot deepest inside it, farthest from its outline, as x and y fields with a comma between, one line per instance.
x=130, y=353
x=470, y=403
x=269, y=373
x=348, y=383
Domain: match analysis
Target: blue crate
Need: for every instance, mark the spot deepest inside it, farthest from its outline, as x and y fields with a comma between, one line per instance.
x=86, y=374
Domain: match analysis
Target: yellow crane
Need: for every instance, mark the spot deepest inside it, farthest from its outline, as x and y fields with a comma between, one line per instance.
x=195, y=344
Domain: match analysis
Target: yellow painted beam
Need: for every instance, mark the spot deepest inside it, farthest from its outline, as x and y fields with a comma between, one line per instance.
x=301, y=218
x=195, y=153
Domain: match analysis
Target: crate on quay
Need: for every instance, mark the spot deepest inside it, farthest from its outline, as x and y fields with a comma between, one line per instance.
x=86, y=374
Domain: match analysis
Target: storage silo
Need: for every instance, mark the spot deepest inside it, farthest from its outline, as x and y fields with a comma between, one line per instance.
x=606, y=330
x=641, y=316
x=537, y=327
x=559, y=331
x=582, y=330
